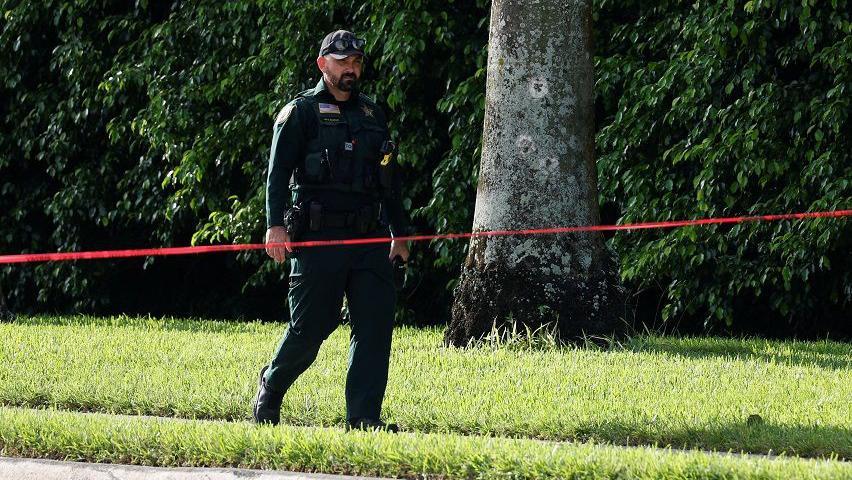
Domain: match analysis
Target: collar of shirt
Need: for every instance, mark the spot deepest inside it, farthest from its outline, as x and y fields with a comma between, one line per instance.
x=322, y=89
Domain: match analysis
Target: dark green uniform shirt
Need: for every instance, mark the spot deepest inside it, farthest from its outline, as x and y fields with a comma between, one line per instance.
x=329, y=151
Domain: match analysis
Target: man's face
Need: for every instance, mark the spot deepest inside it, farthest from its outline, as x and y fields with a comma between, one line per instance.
x=343, y=74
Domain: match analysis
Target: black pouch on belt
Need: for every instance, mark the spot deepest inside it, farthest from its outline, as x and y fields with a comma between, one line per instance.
x=367, y=219
x=315, y=216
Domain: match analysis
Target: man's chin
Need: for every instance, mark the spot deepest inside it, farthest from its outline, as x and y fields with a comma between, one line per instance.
x=346, y=85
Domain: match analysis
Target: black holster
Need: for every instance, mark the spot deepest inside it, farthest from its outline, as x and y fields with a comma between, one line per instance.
x=295, y=223
x=367, y=219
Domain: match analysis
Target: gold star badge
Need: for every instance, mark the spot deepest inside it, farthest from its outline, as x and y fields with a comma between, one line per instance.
x=367, y=111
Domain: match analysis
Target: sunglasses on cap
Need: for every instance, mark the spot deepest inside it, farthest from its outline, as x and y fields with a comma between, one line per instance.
x=342, y=44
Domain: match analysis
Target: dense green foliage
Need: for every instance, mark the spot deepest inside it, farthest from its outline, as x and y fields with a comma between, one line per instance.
x=149, y=124
x=721, y=109
x=683, y=392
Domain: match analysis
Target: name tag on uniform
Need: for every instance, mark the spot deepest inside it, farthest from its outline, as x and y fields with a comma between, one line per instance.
x=329, y=108
x=348, y=146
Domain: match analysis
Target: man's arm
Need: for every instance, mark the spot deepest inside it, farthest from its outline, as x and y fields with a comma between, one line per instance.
x=395, y=213
x=397, y=216
x=287, y=146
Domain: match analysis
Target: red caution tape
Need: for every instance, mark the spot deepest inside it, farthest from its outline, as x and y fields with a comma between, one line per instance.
x=158, y=252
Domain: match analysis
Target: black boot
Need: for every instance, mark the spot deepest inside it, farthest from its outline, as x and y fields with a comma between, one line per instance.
x=267, y=403
x=371, y=424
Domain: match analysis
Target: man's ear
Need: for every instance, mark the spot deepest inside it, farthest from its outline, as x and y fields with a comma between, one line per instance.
x=321, y=61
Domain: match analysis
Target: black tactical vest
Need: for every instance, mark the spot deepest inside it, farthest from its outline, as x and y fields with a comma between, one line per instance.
x=345, y=154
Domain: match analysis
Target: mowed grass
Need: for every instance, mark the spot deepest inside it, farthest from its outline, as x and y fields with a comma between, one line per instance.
x=166, y=442
x=685, y=393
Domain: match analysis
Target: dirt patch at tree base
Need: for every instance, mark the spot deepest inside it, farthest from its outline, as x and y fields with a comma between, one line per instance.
x=580, y=307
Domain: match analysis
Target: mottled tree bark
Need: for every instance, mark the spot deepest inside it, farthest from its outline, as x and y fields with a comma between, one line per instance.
x=537, y=171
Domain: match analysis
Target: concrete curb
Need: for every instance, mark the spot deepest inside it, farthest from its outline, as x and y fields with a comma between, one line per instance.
x=37, y=469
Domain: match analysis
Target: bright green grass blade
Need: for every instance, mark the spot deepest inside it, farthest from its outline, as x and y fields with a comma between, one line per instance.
x=694, y=393
x=101, y=438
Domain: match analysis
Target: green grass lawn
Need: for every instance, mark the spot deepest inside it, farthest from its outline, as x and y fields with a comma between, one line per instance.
x=684, y=393
x=146, y=441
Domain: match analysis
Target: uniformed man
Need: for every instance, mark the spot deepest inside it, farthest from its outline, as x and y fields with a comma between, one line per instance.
x=332, y=176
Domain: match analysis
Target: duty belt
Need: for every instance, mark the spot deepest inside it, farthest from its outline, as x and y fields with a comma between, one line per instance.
x=339, y=220
x=364, y=220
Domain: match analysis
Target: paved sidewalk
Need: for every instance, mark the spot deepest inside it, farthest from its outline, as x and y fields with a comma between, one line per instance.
x=33, y=469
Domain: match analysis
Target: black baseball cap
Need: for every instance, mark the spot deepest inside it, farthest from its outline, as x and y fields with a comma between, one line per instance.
x=341, y=44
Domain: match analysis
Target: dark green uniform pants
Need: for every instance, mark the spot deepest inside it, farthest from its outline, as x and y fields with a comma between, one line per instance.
x=319, y=277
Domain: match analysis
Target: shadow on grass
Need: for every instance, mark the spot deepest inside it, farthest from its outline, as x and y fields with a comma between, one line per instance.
x=812, y=441
x=747, y=436
x=823, y=354
x=758, y=438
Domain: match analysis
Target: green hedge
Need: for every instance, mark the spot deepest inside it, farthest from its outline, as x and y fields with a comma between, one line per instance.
x=733, y=108
x=150, y=125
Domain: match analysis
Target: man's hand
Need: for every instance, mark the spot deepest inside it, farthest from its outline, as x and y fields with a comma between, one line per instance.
x=277, y=235
x=398, y=249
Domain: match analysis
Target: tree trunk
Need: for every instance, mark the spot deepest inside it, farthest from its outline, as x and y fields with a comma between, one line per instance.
x=537, y=171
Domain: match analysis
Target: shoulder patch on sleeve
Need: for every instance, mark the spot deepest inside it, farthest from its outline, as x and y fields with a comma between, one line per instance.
x=284, y=114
